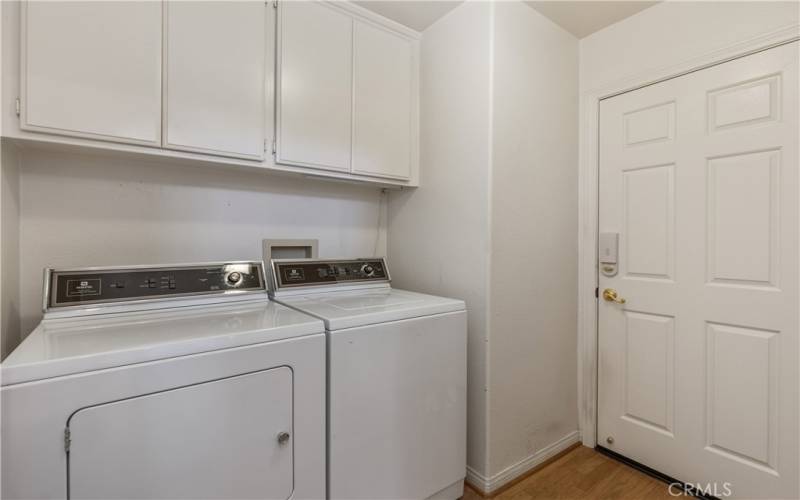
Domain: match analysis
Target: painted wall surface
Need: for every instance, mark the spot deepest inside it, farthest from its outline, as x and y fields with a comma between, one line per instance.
x=9, y=248
x=673, y=32
x=498, y=187
x=534, y=252
x=82, y=210
x=438, y=233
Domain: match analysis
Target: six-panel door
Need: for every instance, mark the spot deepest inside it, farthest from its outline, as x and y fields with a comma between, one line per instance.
x=698, y=369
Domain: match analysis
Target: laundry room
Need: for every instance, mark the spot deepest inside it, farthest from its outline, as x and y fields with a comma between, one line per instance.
x=399, y=249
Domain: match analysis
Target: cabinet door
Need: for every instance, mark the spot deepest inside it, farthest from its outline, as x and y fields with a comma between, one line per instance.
x=314, y=86
x=214, y=87
x=219, y=439
x=92, y=69
x=384, y=94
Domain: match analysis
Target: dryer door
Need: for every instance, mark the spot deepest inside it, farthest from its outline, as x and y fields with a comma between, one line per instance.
x=227, y=438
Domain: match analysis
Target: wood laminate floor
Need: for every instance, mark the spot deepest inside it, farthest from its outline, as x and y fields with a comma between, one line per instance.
x=583, y=473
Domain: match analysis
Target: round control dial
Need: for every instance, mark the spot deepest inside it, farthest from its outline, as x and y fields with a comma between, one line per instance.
x=368, y=269
x=234, y=277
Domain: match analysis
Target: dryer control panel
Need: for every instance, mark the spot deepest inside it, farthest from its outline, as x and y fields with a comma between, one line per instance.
x=288, y=273
x=74, y=287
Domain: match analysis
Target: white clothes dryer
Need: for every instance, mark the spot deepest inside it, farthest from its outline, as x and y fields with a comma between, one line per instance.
x=165, y=382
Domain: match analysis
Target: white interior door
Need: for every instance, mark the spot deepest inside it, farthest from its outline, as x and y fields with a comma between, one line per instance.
x=698, y=369
x=219, y=439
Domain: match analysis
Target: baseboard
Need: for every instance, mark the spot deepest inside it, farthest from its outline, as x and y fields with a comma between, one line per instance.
x=490, y=485
x=476, y=480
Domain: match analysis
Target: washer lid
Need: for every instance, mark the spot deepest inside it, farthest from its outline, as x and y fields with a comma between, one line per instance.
x=349, y=309
x=75, y=345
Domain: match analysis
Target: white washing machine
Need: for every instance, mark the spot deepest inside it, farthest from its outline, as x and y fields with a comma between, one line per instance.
x=396, y=379
x=165, y=382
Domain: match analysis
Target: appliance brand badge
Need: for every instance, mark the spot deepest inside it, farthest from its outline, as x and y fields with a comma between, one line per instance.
x=83, y=288
x=294, y=274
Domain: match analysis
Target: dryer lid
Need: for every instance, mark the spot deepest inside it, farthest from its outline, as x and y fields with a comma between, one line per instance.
x=85, y=343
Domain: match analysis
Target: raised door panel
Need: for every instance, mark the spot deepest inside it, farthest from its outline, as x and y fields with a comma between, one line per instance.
x=649, y=371
x=217, y=439
x=214, y=87
x=743, y=219
x=93, y=70
x=314, y=115
x=652, y=124
x=383, y=107
x=648, y=227
x=741, y=401
x=744, y=104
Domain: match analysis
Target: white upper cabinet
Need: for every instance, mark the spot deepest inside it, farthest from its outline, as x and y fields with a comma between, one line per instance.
x=214, y=76
x=92, y=70
x=315, y=91
x=384, y=94
x=319, y=87
x=347, y=91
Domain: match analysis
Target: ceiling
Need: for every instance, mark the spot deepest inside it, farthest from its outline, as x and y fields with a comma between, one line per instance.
x=416, y=14
x=581, y=18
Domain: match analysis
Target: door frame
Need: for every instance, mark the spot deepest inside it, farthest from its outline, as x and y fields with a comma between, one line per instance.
x=588, y=202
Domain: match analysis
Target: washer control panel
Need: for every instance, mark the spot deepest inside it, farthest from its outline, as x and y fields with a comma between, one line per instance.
x=105, y=285
x=289, y=273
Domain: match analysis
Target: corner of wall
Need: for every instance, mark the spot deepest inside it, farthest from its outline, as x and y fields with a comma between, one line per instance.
x=533, y=211
x=9, y=247
x=487, y=465
x=438, y=232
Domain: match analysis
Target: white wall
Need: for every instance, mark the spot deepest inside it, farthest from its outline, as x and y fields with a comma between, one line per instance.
x=438, y=233
x=9, y=248
x=493, y=221
x=534, y=216
x=82, y=210
x=673, y=32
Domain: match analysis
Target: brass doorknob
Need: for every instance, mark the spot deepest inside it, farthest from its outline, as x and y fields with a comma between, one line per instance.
x=610, y=295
